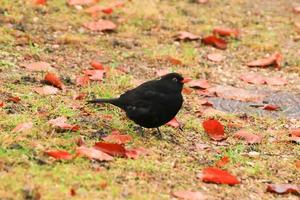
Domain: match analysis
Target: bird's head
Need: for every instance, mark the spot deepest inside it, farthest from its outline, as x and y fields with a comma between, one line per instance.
x=174, y=80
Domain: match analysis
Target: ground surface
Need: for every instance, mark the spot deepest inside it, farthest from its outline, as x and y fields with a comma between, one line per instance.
x=141, y=42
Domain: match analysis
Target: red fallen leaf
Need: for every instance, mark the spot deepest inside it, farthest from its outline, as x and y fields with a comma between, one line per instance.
x=118, y=138
x=46, y=90
x=82, y=81
x=93, y=153
x=295, y=135
x=23, y=127
x=275, y=81
x=37, y=66
x=72, y=192
x=14, y=99
x=54, y=80
x=283, y=188
x=188, y=195
x=107, y=10
x=215, y=57
x=274, y=59
x=79, y=96
x=162, y=72
x=59, y=155
x=174, y=123
x=187, y=91
x=134, y=153
x=2, y=104
x=199, y=84
x=253, y=78
x=214, y=41
x=296, y=9
x=205, y=102
x=97, y=65
x=297, y=164
x=80, y=2
x=173, y=61
x=186, y=36
x=100, y=25
x=249, y=137
x=214, y=129
x=41, y=2
x=223, y=161
x=111, y=149
x=96, y=75
x=227, y=32
x=216, y=175
x=61, y=123
x=271, y=107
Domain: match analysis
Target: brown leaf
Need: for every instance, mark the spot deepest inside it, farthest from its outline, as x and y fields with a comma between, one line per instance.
x=23, y=127
x=174, y=61
x=215, y=57
x=95, y=75
x=199, y=84
x=37, y=66
x=52, y=79
x=223, y=161
x=227, y=32
x=100, y=25
x=271, y=107
x=205, y=102
x=82, y=80
x=186, y=36
x=59, y=155
x=296, y=9
x=60, y=122
x=283, y=188
x=249, y=137
x=215, y=41
x=80, y=2
x=46, y=90
x=118, y=138
x=274, y=59
x=216, y=175
x=174, y=123
x=14, y=99
x=253, y=78
x=135, y=153
x=111, y=149
x=93, y=153
x=188, y=195
x=97, y=65
x=275, y=81
x=229, y=92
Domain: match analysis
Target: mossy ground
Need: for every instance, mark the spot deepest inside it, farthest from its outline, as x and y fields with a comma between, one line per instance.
x=54, y=34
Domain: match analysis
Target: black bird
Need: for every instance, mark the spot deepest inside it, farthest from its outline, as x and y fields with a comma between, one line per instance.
x=153, y=103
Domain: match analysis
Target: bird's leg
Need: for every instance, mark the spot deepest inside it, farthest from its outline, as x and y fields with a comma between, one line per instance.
x=141, y=131
x=159, y=135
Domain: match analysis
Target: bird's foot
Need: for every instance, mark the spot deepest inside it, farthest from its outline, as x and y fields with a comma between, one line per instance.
x=158, y=134
x=140, y=130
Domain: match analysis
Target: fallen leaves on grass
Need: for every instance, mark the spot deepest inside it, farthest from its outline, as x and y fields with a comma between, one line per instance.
x=135, y=153
x=214, y=129
x=186, y=36
x=216, y=175
x=250, y=138
x=199, y=84
x=118, y=138
x=271, y=107
x=40, y=2
x=274, y=59
x=111, y=149
x=295, y=135
x=93, y=153
x=275, y=81
x=254, y=78
x=60, y=122
x=14, y=99
x=95, y=75
x=46, y=90
x=174, y=123
x=2, y=104
x=226, y=32
x=82, y=80
x=60, y=155
x=283, y=188
x=100, y=25
x=79, y=96
x=188, y=195
x=174, y=61
x=215, y=57
x=222, y=162
x=97, y=65
x=52, y=79
x=205, y=102
x=23, y=127
x=214, y=41
x=37, y=66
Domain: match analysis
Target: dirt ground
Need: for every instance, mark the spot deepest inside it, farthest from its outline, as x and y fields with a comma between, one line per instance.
x=141, y=43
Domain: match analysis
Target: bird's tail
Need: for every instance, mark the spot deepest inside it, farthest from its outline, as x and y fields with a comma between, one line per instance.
x=114, y=101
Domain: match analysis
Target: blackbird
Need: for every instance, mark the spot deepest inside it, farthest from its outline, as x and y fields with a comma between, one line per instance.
x=153, y=103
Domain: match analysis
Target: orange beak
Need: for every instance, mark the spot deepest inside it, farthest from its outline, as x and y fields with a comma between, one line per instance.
x=185, y=80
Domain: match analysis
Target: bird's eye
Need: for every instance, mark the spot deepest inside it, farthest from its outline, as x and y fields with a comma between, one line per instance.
x=174, y=79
